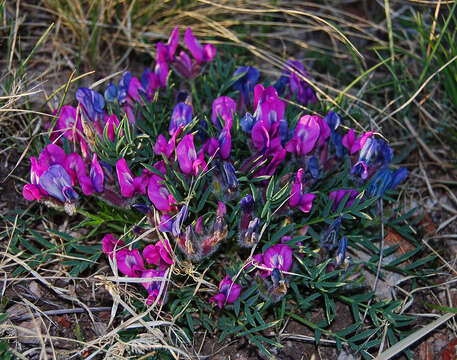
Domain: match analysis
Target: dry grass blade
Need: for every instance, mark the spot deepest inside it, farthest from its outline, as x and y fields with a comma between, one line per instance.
x=411, y=339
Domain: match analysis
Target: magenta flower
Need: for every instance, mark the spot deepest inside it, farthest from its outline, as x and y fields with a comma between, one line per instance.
x=112, y=123
x=153, y=287
x=306, y=135
x=338, y=195
x=229, y=292
x=129, y=262
x=278, y=256
x=125, y=178
x=52, y=154
x=68, y=124
x=352, y=144
x=297, y=195
x=159, y=195
x=162, y=146
x=225, y=143
x=223, y=108
x=110, y=243
x=200, y=54
x=158, y=254
x=267, y=104
x=187, y=156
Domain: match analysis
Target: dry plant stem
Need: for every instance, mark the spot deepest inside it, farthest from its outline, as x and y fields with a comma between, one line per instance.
x=58, y=312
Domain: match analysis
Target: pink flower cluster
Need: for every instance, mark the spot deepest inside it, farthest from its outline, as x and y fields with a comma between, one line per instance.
x=132, y=264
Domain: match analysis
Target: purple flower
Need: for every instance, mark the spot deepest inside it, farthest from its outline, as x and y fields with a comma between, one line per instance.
x=149, y=82
x=57, y=183
x=341, y=253
x=297, y=195
x=229, y=292
x=129, y=262
x=248, y=77
x=159, y=195
x=52, y=154
x=352, y=144
x=166, y=223
x=223, y=108
x=153, y=287
x=112, y=123
x=179, y=220
x=123, y=87
x=230, y=179
x=91, y=102
x=110, y=244
x=295, y=71
x=278, y=256
x=269, y=107
x=96, y=174
x=247, y=122
x=31, y=192
x=200, y=54
x=306, y=134
x=338, y=195
x=68, y=124
x=182, y=115
x=125, y=178
x=225, y=143
x=162, y=146
x=187, y=156
x=158, y=254
x=365, y=156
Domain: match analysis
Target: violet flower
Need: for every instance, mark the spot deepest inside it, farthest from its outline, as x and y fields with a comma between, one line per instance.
x=352, y=144
x=225, y=143
x=338, y=196
x=278, y=256
x=229, y=292
x=223, y=108
x=385, y=179
x=96, y=174
x=248, y=77
x=294, y=72
x=201, y=54
x=57, y=183
x=366, y=155
x=182, y=115
x=91, y=102
x=249, y=226
x=125, y=178
x=67, y=123
x=341, y=253
x=298, y=197
x=159, y=195
x=162, y=146
x=153, y=287
x=268, y=106
x=188, y=161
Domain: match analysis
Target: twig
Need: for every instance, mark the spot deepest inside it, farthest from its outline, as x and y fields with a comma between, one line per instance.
x=58, y=312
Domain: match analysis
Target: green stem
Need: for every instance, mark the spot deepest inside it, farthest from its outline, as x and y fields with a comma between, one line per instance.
x=195, y=95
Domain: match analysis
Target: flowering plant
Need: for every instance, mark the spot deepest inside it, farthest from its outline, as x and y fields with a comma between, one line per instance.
x=205, y=157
